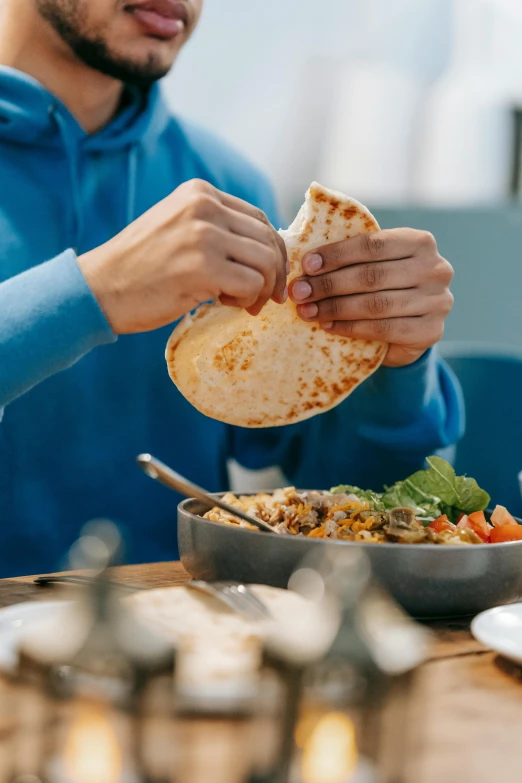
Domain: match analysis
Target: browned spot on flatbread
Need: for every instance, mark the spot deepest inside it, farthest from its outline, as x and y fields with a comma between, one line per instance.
x=308, y=406
x=173, y=347
x=349, y=212
x=237, y=351
x=319, y=198
x=307, y=230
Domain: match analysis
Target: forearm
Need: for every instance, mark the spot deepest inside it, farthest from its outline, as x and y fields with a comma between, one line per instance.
x=48, y=320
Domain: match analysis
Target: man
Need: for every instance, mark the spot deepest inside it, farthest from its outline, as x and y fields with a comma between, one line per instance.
x=115, y=220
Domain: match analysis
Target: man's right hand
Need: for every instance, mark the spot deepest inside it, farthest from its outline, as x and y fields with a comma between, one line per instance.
x=195, y=245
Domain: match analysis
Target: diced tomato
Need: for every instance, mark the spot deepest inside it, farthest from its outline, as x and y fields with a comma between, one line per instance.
x=479, y=524
x=441, y=523
x=478, y=518
x=506, y=533
x=501, y=516
x=460, y=517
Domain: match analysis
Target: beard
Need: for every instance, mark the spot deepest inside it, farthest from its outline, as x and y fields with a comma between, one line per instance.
x=68, y=19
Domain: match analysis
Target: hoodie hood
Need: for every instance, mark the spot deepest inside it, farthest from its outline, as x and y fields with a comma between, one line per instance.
x=28, y=115
x=31, y=115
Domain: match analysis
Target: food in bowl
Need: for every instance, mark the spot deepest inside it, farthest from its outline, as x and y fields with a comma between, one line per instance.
x=409, y=512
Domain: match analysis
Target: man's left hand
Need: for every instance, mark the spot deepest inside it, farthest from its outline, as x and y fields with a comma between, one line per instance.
x=388, y=285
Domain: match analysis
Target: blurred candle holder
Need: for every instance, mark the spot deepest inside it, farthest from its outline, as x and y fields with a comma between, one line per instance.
x=345, y=702
x=89, y=686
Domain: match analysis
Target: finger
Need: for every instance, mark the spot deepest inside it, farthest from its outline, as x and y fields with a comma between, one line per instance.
x=247, y=226
x=283, y=270
x=388, y=245
x=253, y=309
x=240, y=285
x=384, y=304
x=359, y=279
x=257, y=256
x=415, y=330
x=238, y=205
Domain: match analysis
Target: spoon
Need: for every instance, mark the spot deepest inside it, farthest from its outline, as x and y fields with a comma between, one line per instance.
x=165, y=475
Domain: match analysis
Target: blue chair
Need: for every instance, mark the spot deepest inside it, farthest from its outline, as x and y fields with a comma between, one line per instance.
x=491, y=449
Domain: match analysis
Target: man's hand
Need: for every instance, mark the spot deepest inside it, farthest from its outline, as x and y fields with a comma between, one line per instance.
x=389, y=285
x=195, y=245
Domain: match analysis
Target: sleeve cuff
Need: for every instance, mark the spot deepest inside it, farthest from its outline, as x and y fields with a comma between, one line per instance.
x=50, y=318
x=422, y=401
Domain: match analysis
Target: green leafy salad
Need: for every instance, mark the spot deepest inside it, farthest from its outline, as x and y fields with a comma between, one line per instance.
x=429, y=493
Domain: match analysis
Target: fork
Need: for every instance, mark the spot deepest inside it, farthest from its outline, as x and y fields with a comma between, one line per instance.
x=236, y=596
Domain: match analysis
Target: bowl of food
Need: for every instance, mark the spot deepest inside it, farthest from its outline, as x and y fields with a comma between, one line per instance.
x=428, y=538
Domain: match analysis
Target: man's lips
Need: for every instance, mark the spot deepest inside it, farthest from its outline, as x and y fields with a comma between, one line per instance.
x=160, y=18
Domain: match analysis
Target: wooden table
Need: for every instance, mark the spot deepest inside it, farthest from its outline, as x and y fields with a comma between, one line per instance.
x=470, y=700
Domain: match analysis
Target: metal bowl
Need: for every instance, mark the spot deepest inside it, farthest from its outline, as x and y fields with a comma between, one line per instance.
x=428, y=581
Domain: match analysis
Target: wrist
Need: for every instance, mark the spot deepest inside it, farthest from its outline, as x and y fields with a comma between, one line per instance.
x=398, y=357
x=95, y=267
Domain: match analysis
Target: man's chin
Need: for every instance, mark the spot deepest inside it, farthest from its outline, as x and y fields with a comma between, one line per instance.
x=153, y=57
x=141, y=69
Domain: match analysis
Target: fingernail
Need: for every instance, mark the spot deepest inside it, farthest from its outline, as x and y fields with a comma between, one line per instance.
x=301, y=290
x=312, y=263
x=285, y=295
x=327, y=325
x=308, y=310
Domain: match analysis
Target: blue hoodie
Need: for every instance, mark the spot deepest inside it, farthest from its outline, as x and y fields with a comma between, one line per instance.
x=78, y=404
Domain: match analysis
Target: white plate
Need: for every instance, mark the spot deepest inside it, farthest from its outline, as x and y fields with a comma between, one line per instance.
x=501, y=630
x=168, y=610
x=14, y=620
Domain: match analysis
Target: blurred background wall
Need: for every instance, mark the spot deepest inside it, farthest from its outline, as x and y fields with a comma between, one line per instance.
x=408, y=105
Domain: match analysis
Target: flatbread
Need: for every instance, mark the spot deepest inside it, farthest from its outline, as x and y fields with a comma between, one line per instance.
x=275, y=369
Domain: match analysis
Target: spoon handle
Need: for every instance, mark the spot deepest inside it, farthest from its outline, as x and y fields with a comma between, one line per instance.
x=160, y=472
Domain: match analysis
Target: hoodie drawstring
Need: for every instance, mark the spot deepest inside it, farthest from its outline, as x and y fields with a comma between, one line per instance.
x=72, y=160
x=132, y=170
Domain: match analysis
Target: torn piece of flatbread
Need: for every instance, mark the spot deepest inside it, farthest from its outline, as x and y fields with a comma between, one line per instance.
x=275, y=369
